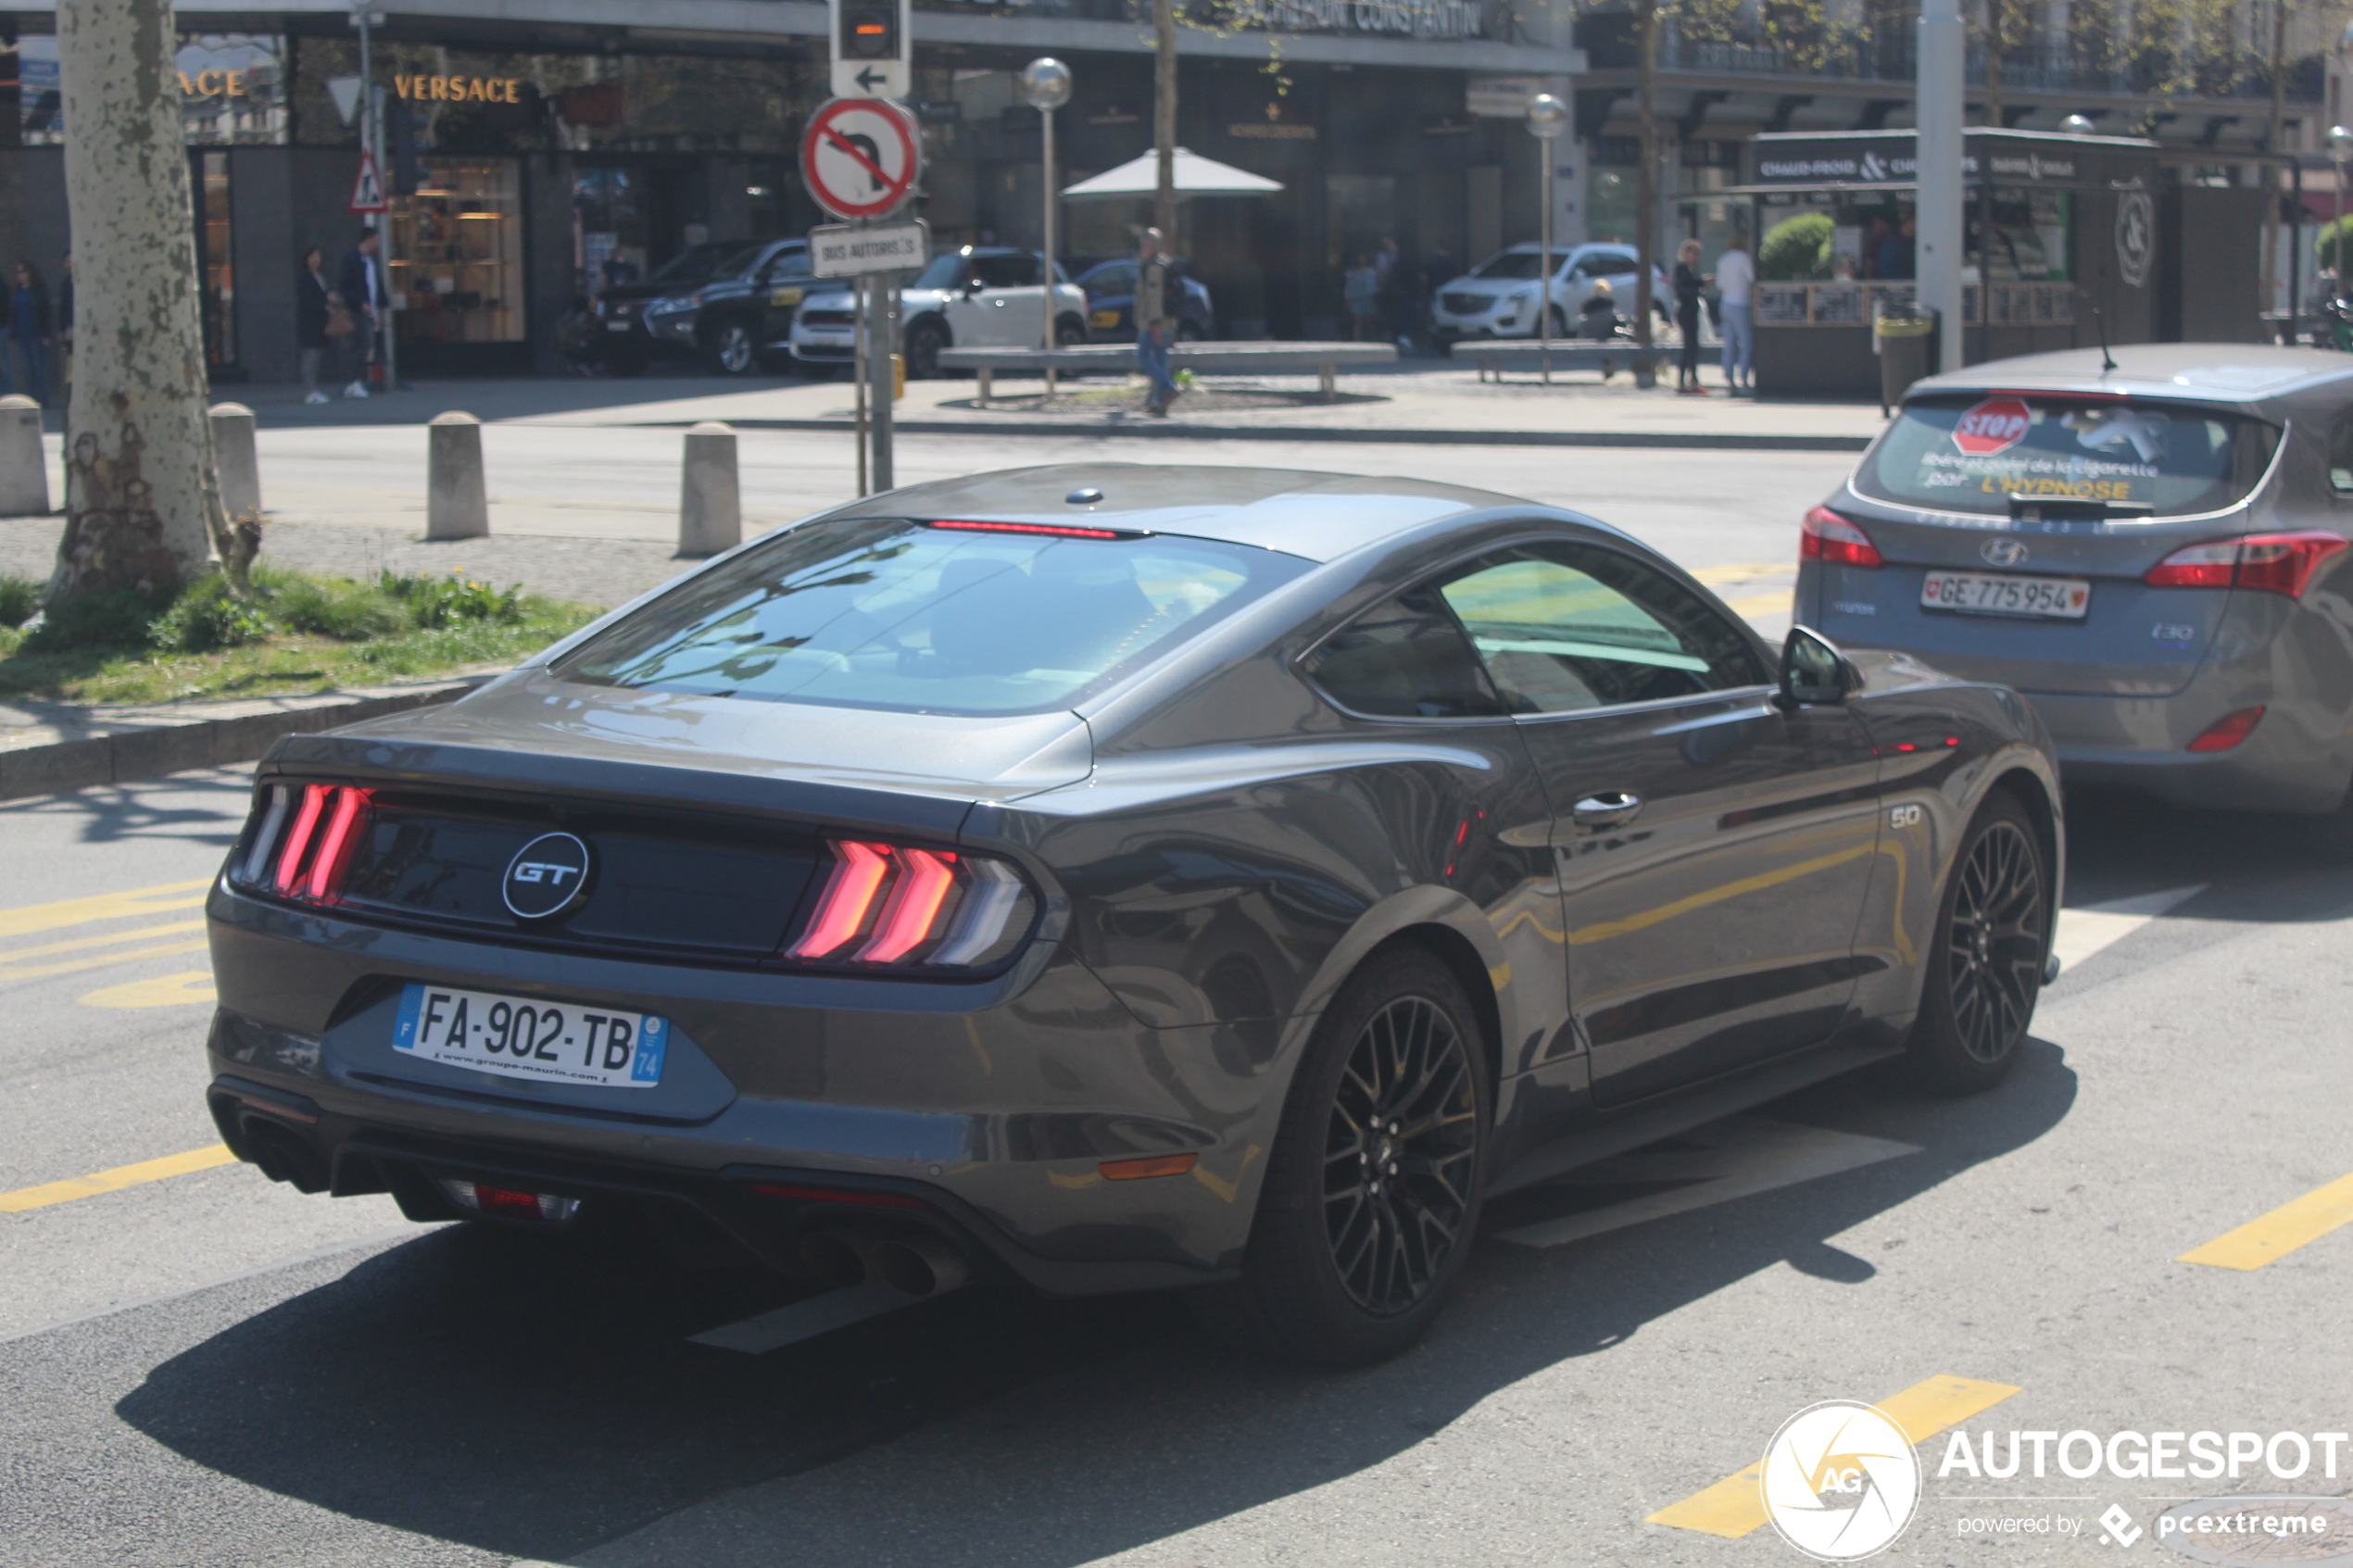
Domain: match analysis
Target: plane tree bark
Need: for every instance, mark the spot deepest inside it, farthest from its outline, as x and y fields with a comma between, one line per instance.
x=142, y=501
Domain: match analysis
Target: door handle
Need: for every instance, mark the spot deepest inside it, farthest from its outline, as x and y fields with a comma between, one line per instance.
x=1609, y=809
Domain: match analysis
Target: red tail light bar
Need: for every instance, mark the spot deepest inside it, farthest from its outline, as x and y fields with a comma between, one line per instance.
x=1829, y=537
x=932, y=909
x=2274, y=563
x=305, y=842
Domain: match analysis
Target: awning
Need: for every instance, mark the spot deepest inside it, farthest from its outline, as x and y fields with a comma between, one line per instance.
x=1195, y=175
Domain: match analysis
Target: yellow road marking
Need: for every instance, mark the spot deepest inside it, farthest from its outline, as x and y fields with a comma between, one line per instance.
x=74, y=944
x=165, y=990
x=1735, y=1505
x=121, y=1176
x=2281, y=1232
x=33, y=971
x=1775, y=603
x=101, y=905
x=1741, y=572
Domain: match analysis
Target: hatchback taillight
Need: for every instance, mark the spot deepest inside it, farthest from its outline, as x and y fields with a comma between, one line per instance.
x=304, y=841
x=907, y=906
x=2274, y=563
x=1831, y=537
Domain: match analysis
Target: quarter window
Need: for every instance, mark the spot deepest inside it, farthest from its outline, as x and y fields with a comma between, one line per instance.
x=1563, y=627
x=1406, y=657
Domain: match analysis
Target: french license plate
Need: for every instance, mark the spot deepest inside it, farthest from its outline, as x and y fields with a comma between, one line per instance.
x=531, y=1039
x=2058, y=599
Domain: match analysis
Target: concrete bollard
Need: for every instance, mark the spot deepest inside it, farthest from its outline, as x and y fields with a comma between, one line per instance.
x=232, y=456
x=24, y=474
x=457, y=505
x=711, y=507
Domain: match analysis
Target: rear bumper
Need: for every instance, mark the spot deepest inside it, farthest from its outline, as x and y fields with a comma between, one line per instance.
x=2290, y=764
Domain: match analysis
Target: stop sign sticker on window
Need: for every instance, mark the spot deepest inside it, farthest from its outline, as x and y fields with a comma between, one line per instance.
x=1995, y=425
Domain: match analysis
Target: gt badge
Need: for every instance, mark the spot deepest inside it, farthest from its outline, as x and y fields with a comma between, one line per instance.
x=546, y=876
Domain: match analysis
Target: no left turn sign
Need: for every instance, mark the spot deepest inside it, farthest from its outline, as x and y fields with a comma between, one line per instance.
x=860, y=156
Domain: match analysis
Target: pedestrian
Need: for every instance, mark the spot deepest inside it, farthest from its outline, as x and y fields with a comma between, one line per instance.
x=1736, y=284
x=321, y=316
x=1155, y=323
x=1689, y=284
x=1360, y=291
x=1396, y=294
x=1597, y=319
x=29, y=331
x=362, y=287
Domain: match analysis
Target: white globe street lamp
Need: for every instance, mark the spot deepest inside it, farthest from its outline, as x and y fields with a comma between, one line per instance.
x=1046, y=83
x=1547, y=117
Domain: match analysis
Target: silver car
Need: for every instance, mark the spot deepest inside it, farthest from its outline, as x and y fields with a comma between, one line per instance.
x=2151, y=545
x=1497, y=298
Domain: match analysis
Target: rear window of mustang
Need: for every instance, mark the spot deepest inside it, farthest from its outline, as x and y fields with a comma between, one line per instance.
x=1973, y=453
x=929, y=617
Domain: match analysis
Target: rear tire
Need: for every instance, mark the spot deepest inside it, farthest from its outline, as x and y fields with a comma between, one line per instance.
x=1373, y=1193
x=1985, y=968
x=924, y=340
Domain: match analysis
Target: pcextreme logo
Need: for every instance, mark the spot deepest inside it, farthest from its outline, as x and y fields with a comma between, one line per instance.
x=1840, y=1480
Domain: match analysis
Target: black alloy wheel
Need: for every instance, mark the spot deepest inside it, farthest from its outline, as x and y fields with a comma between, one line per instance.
x=1986, y=969
x=1374, y=1180
x=1069, y=333
x=734, y=350
x=924, y=340
x=1399, y=1155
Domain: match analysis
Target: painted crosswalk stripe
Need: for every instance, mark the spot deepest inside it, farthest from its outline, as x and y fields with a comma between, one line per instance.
x=121, y=1176
x=2281, y=1232
x=1735, y=1505
x=2086, y=929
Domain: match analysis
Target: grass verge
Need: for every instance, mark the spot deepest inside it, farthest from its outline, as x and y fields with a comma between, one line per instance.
x=302, y=634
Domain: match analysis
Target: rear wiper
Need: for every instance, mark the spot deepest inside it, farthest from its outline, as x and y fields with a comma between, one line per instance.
x=2069, y=508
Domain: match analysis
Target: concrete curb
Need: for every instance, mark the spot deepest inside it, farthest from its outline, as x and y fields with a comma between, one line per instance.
x=1730, y=441
x=147, y=743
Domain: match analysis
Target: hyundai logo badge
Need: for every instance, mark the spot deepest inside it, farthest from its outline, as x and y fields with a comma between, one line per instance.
x=2002, y=552
x=546, y=876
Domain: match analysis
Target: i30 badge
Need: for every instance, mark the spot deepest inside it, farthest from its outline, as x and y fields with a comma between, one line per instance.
x=2003, y=552
x=545, y=877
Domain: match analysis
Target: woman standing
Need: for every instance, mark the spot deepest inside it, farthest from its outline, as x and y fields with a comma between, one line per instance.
x=1689, y=284
x=1360, y=289
x=29, y=331
x=316, y=303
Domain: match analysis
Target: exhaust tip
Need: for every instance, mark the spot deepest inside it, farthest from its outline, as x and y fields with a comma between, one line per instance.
x=282, y=1156
x=920, y=1266
x=832, y=1258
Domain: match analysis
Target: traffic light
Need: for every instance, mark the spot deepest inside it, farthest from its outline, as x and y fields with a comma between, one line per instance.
x=869, y=31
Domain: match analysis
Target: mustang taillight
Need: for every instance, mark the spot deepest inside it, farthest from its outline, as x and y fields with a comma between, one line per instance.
x=2276, y=563
x=304, y=841
x=925, y=908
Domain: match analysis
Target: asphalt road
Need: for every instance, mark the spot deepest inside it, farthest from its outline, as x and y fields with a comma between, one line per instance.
x=199, y=1368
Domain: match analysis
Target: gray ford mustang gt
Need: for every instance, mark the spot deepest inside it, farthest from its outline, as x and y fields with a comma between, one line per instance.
x=1114, y=877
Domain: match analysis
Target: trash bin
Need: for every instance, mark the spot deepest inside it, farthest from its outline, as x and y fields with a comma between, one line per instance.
x=1903, y=336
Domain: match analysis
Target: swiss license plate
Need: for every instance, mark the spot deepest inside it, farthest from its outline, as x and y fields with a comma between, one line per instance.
x=2059, y=598
x=525, y=1038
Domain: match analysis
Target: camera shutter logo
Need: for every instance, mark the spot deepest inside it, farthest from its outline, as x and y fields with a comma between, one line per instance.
x=546, y=876
x=1840, y=1480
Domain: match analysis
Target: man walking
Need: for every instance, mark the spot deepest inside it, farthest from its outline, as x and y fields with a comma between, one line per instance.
x=1155, y=324
x=1735, y=283
x=361, y=287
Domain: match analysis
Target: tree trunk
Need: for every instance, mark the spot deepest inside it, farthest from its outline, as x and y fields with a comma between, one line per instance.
x=142, y=503
x=1165, y=122
x=1647, y=176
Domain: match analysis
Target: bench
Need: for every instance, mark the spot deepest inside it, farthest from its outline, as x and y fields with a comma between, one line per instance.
x=1202, y=358
x=1493, y=357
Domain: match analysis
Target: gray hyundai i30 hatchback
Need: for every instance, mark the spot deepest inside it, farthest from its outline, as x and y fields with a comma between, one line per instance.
x=1111, y=878
x=2151, y=545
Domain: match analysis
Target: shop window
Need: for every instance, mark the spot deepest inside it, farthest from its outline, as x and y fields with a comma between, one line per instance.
x=457, y=254
x=216, y=248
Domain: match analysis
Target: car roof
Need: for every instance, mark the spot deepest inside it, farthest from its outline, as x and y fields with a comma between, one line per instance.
x=2205, y=372
x=1318, y=516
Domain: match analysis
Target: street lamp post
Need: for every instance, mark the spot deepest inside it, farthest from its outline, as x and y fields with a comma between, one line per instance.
x=1547, y=117
x=1046, y=83
x=371, y=144
x=1941, y=92
x=2340, y=143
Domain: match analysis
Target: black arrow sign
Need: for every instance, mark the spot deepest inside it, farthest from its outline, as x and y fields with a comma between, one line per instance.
x=868, y=78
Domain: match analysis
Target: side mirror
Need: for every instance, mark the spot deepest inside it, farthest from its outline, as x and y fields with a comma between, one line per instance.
x=1814, y=673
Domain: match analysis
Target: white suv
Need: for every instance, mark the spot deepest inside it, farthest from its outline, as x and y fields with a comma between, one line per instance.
x=980, y=296
x=1498, y=298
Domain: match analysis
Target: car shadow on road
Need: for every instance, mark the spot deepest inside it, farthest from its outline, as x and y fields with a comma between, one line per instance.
x=537, y=1400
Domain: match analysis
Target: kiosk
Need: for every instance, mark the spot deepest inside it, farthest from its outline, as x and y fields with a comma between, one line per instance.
x=2063, y=239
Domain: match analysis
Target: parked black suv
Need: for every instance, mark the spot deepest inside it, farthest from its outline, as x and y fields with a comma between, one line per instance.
x=731, y=305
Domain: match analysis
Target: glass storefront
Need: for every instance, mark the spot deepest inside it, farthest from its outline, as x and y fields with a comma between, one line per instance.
x=216, y=253
x=231, y=90
x=456, y=254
